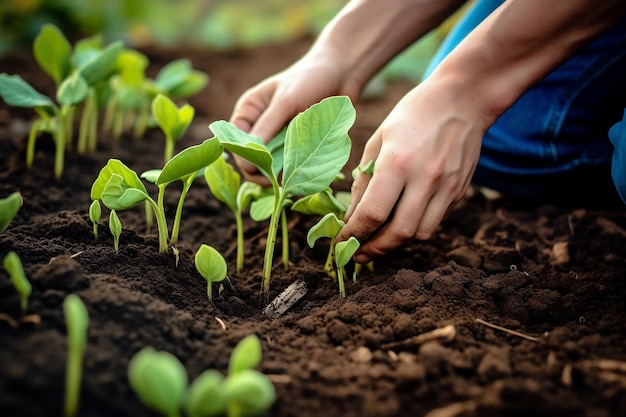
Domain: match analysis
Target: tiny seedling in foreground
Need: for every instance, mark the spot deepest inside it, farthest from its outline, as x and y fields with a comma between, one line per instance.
x=316, y=148
x=77, y=321
x=9, y=207
x=13, y=266
x=115, y=226
x=95, y=211
x=172, y=120
x=211, y=265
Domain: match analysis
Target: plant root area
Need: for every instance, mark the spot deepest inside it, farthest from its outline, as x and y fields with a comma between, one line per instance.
x=511, y=309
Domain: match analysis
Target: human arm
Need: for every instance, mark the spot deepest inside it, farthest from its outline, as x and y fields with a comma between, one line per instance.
x=427, y=148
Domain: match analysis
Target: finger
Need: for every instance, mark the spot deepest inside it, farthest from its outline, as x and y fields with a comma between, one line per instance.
x=248, y=109
x=273, y=119
x=360, y=183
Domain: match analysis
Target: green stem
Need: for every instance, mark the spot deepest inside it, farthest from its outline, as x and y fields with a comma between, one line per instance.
x=74, y=373
x=179, y=210
x=279, y=199
x=118, y=124
x=32, y=139
x=342, y=288
x=285, y=237
x=240, y=240
x=169, y=148
x=85, y=122
x=159, y=210
x=92, y=142
x=330, y=260
x=58, y=135
x=142, y=122
x=148, y=210
x=234, y=410
x=109, y=115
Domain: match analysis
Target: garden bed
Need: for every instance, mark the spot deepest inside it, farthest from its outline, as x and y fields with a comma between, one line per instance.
x=556, y=275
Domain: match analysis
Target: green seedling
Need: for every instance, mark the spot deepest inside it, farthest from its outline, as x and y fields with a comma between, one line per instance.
x=205, y=396
x=95, y=211
x=316, y=148
x=159, y=379
x=13, y=266
x=115, y=226
x=77, y=321
x=329, y=226
x=119, y=187
x=225, y=184
x=9, y=207
x=172, y=120
x=211, y=265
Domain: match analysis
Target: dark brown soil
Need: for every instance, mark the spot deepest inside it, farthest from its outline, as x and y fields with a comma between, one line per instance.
x=555, y=274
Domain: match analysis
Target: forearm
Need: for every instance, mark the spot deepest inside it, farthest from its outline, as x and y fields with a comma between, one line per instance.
x=520, y=43
x=367, y=34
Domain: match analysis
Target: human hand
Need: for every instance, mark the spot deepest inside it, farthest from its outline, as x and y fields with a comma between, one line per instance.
x=425, y=153
x=266, y=108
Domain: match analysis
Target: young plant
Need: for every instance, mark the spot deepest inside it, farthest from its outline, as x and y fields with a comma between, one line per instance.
x=13, y=266
x=115, y=226
x=159, y=380
x=172, y=120
x=9, y=207
x=316, y=148
x=341, y=252
x=77, y=321
x=211, y=265
x=119, y=187
x=95, y=211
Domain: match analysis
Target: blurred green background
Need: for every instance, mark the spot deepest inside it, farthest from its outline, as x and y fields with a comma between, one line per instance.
x=217, y=24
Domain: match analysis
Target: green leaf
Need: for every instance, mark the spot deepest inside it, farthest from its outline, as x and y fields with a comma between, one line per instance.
x=103, y=65
x=159, y=379
x=115, y=226
x=211, y=265
x=344, y=251
x=319, y=204
x=188, y=161
x=192, y=85
x=52, y=52
x=17, y=92
x=262, y=208
x=115, y=166
x=86, y=49
x=77, y=321
x=13, y=266
x=9, y=207
x=250, y=390
x=317, y=145
x=205, y=396
x=73, y=90
x=173, y=74
x=118, y=195
x=248, y=192
x=131, y=67
x=185, y=116
x=95, y=211
x=246, y=355
x=224, y=182
x=151, y=175
x=249, y=147
x=276, y=146
x=328, y=226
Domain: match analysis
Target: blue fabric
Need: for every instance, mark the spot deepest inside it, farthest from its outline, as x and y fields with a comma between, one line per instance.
x=617, y=135
x=552, y=143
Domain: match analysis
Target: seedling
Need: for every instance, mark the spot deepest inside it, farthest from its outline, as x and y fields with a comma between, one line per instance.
x=172, y=120
x=329, y=226
x=316, y=148
x=13, y=266
x=119, y=187
x=115, y=226
x=211, y=265
x=77, y=321
x=9, y=207
x=160, y=381
x=95, y=211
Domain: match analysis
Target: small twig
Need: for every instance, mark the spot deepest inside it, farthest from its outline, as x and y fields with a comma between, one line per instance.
x=221, y=322
x=446, y=334
x=54, y=258
x=504, y=329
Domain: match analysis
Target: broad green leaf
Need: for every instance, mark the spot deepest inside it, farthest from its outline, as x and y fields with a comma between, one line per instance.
x=205, y=396
x=317, y=145
x=224, y=182
x=319, y=203
x=192, y=85
x=190, y=160
x=165, y=114
x=246, y=355
x=159, y=379
x=73, y=90
x=151, y=175
x=102, y=65
x=173, y=74
x=13, y=265
x=344, y=251
x=115, y=166
x=118, y=195
x=328, y=226
x=248, y=192
x=276, y=146
x=211, y=265
x=17, y=92
x=52, y=52
x=262, y=208
x=9, y=207
x=250, y=390
x=86, y=49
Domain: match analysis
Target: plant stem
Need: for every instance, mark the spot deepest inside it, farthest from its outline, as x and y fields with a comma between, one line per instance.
x=85, y=122
x=35, y=129
x=279, y=199
x=179, y=211
x=74, y=373
x=342, y=288
x=169, y=148
x=240, y=240
x=330, y=260
x=159, y=211
x=284, y=229
x=58, y=135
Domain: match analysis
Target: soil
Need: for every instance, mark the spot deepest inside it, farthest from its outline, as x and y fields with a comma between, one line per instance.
x=553, y=278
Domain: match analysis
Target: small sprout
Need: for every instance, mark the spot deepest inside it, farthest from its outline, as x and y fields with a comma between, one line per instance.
x=13, y=266
x=77, y=321
x=172, y=120
x=95, y=211
x=368, y=169
x=159, y=379
x=116, y=229
x=248, y=392
x=205, y=396
x=9, y=207
x=211, y=265
x=246, y=355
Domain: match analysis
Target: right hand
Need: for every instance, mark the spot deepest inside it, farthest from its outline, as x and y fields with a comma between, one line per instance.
x=266, y=108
